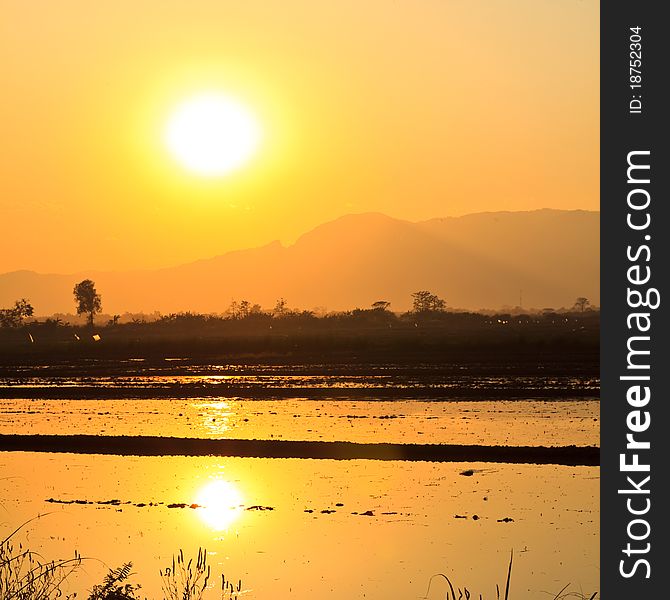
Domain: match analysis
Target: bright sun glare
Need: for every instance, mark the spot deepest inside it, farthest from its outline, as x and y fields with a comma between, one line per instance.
x=220, y=503
x=212, y=134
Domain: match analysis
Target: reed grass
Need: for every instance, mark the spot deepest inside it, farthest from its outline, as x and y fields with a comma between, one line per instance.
x=458, y=593
x=25, y=575
x=188, y=580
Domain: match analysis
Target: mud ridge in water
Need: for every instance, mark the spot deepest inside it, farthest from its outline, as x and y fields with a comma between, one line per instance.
x=167, y=446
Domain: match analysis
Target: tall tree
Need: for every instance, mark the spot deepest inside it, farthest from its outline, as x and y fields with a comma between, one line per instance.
x=87, y=299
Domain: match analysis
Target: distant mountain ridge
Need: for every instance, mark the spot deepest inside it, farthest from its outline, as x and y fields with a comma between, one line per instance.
x=541, y=258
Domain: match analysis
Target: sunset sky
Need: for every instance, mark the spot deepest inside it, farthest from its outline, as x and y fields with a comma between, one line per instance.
x=413, y=108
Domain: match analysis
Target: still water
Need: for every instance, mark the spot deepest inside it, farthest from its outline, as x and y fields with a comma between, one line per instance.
x=303, y=528
x=501, y=422
x=413, y=520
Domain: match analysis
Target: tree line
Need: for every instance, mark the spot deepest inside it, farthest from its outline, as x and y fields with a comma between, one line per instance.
x=88, y=302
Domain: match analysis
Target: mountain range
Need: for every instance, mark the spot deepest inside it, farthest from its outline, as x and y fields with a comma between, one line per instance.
x=542, y=258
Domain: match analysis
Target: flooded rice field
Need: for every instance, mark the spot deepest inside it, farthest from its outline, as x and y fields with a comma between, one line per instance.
x=305, y=528
x=485, y=422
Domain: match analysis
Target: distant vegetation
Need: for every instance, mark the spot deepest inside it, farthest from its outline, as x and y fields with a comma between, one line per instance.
x=15, y=316
x=245, y=328
x=88, y=302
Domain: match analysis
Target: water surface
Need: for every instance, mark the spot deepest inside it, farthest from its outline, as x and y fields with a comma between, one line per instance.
x=414, y=520
x=305, y=528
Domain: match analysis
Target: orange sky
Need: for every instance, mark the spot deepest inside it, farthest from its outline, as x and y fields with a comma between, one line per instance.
x=417, y=109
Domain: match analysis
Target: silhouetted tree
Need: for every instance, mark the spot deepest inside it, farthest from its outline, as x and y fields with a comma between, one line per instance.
x=88, y=300
x=7, y=318
x=381, y=305
x=234, y=310
x=281, y=308
x=424, y=301
x=245, y=308
x=13, y=317
x=22, y=310
x=581, y=303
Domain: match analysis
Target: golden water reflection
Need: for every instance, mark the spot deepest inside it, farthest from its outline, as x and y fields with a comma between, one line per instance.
x=503, y=423
x=387, y=525
x=220, y=504
x=215, y=416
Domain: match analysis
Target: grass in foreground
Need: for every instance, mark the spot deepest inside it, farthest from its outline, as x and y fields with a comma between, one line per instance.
x=457, y=593
x=24, y=576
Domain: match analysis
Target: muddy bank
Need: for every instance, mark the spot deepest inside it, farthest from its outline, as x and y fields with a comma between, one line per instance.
x=163, y=446
x=258, y=393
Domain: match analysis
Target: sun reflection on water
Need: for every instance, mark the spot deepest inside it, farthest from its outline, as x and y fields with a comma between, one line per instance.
x=220, y=504
x=216, y=416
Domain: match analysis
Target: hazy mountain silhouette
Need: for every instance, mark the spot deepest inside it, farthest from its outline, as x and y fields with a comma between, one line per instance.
x=481, y=260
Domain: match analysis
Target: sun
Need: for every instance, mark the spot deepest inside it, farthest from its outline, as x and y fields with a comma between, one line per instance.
x=212, y=134
x=220, y=504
